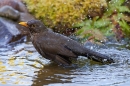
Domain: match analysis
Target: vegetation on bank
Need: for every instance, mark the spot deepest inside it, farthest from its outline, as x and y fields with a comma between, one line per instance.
x=63, y=14
x=115, y=21
x=86, y=15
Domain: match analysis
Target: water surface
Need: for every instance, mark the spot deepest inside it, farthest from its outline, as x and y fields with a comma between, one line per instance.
x=22, y=65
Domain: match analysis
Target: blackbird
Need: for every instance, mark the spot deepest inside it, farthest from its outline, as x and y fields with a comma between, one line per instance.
x=57, y=47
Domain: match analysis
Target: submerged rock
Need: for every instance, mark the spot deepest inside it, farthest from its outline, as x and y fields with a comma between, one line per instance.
x=16, y=4
x=9, y=32
x=11, y=13
x=25, y=17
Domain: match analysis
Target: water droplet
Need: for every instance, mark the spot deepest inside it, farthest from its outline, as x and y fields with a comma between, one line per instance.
x=91, y=47
x=104, y=60
x=6, y=37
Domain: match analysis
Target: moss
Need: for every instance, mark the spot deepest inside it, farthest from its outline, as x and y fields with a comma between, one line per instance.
x=63, y=13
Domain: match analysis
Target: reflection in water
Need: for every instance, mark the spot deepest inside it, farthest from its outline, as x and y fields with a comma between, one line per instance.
x=21, y=65
x=16, y=68
x=51, y=74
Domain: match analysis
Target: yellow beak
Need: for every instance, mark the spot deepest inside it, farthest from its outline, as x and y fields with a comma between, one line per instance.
x=23, y=24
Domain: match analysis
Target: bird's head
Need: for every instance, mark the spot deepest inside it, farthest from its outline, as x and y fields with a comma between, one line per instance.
x=35, y=26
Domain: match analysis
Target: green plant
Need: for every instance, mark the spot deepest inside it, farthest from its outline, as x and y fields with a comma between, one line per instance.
x=125, y=27
x=94, y=28
x=112, y=22
x=116, y=12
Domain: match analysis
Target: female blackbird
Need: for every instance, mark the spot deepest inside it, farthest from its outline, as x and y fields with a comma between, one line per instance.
x=59, y=48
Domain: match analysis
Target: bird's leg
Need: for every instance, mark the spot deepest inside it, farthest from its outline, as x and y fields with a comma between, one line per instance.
x=61, y=60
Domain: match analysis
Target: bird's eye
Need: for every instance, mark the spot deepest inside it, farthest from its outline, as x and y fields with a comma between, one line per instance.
x=33, y=26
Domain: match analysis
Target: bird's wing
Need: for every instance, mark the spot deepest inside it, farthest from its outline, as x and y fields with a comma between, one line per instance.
x=54, y=46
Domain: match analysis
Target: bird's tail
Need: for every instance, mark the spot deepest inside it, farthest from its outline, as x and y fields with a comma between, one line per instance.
x=99, y=57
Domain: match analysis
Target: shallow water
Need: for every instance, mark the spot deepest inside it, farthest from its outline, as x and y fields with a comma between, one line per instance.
x=22, y=65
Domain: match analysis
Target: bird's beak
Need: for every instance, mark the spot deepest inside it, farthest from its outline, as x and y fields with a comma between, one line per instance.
x=23, y=24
